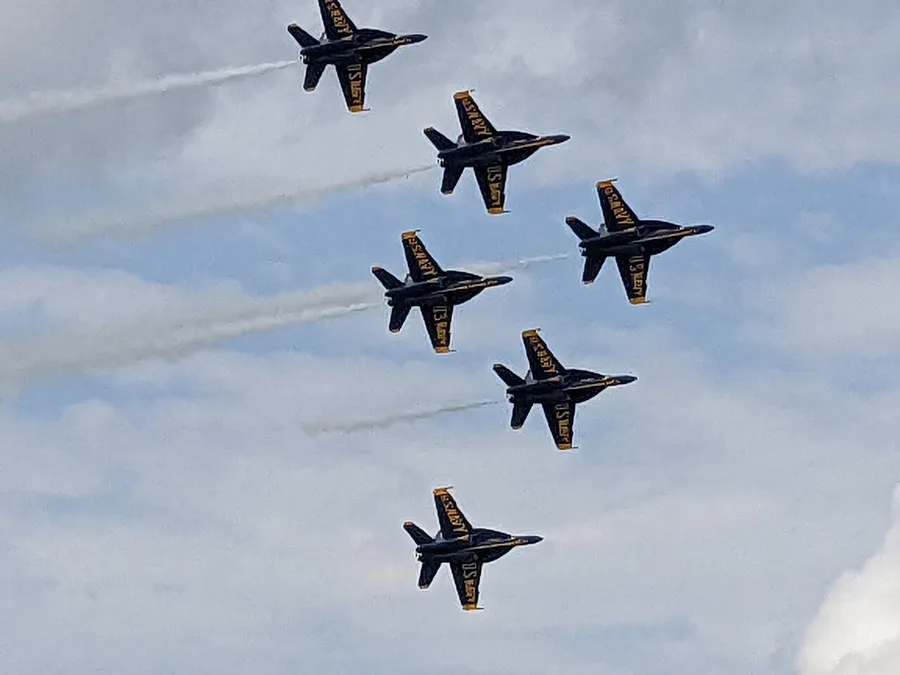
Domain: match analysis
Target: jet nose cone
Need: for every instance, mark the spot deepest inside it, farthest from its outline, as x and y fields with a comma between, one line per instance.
x=559, y=138
x=703, y=229
x=625, y=379
x=418, y=37
x=503, y=280
x=533, y=539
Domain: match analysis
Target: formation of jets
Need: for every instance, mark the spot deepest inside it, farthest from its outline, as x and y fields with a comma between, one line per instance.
x=558, y=390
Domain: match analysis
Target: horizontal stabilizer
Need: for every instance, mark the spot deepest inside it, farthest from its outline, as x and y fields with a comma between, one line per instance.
x=582, y=229
x=591, y=269
x=427, y=573
x=451, y=177
x=301, y=36
x=314, y=73
x=520, y=414
x=508, y=376
x=417, y=533
x=438, y=139
x=398, y=317
x=388, y=280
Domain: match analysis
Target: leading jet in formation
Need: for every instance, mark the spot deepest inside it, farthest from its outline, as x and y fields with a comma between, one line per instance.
x=349, y=49
x=629, y=239
x=558, y=390
x=433, y=290
x=465, y=548
x=489, y=152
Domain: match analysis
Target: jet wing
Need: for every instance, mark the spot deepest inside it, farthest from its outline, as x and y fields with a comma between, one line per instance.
x=475, y=126
x=633, y=270
x=437, y=322
x=337, y=24
x=467, y=577
x=353, y=83
x=452, y=521
x=492, y=184
x=560, y=418
x=419, y=261
x=541, y=361
x=617, y=215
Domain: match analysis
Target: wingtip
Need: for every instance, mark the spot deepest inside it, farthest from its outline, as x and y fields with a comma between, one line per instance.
x=411, y=234
x=607, y=181
x=497, y=210
x=564, y=447
x=442, y=490
x=357, y=109
x=442, y=350
x=639, y=301
x=462, y=94
x=530, y=332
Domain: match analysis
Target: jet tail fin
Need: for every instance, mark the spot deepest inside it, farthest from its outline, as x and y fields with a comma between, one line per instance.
x=508, y=376
x=418, y=535
x=591, y=269
x=427, y=572
x=388, y=280
x=582, y=229
x=398, y=317
x=301, y=36
x=438, y=139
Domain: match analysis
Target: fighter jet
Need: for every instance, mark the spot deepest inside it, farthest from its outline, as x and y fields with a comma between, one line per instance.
x=463, y=547
x=557, y=389
x=349, y=49
x=434, y=291
x=631, y=240
x=489, y=152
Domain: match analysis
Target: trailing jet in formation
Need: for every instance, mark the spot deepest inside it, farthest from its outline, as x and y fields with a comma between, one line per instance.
x=489, y=152
x=433, y=290
x=629, y=239
x=349, y=49
x=557, y=389
x=465, y=548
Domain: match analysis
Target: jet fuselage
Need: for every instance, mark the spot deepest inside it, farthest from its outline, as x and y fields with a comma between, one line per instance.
x=482, y=545
x=649, y=236
x=504, y=147
x=453, y=287
x=366, y=45
x=576, y=386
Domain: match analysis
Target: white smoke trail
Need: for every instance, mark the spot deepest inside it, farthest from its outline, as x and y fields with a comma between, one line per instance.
x=340, y=427
x=55, y=102
x=94, y=351
x=99, y=350
x=495, y=268
x=127, y=225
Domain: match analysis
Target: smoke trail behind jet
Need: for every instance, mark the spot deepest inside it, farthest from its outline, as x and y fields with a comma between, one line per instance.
x=56, y=102
x=95, y=351
x=376, y=424
x=127, y=225
x=494, y=268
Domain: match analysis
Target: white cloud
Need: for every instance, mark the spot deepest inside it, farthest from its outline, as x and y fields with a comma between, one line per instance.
x=857, y=629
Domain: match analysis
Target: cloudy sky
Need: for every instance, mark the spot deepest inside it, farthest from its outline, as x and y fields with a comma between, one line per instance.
x=163, y=508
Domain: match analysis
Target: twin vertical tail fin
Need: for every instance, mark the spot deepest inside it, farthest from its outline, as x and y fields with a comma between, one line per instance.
x=582, y=229
x=429, y=567
x=417, y=534
x=438, y=139
x=301, y=36
x=388, y=280
x=508, y=376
